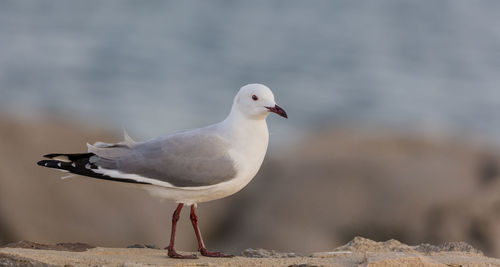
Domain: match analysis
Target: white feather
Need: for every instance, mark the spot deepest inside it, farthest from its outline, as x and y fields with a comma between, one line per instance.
x=135, y=177
x=62, y=158
x=68, y=176
x=128, y=140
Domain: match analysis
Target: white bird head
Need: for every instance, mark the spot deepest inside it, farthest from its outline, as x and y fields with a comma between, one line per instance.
x=257, y=101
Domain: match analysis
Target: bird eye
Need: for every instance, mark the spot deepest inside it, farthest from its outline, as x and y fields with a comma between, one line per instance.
x=255, y=98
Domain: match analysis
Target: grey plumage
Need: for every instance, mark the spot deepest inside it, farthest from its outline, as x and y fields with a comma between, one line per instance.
x=184, y=159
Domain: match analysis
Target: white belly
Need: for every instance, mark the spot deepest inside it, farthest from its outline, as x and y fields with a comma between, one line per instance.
x=203, y=193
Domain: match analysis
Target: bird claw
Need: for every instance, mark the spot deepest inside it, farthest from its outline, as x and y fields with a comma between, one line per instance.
x=215, y=254
x=175, y=255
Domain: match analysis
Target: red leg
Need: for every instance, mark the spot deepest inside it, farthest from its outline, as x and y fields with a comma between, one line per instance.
x=203, y=250
x=171, y=251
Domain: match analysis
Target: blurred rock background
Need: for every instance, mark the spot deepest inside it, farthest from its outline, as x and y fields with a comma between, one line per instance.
x=393, y=129
x=313, y=195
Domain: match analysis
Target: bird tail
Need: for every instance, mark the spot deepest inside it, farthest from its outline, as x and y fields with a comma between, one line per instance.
x=81, y=164
x=74, y=163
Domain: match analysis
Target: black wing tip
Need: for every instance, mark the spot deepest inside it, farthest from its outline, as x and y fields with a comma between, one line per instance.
x=52, y=164
x=80, y=169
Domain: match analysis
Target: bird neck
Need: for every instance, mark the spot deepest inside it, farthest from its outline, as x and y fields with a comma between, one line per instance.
x=243, y=128
x=249, y=138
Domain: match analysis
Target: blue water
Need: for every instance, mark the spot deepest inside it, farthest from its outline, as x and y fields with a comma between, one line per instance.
x=158, y=66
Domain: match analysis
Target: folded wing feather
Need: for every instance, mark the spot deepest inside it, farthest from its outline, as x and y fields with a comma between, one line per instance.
x=185, y=159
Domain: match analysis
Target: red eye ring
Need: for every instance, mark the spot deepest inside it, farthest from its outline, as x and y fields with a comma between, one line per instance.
x=255, y=98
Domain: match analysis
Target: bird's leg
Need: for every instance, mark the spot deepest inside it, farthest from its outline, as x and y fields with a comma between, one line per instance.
x=203, y=250
x=171, y=251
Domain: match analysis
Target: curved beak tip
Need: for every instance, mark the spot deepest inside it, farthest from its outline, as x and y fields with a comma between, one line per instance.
x=278, y=110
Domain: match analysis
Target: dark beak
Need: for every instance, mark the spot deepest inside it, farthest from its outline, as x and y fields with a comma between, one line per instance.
x=278, y=110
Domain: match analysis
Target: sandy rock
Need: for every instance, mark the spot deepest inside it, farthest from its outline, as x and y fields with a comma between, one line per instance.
x=75, y=247
x=264, y=253
x=142, y=246
x=358, y=252
x=366, y=245
x=330, y=254
x=400, y=259
x=360, y=244
x=7, y=260
x=448, y=247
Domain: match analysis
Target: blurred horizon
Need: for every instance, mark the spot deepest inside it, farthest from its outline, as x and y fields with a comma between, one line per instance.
x=161, y=66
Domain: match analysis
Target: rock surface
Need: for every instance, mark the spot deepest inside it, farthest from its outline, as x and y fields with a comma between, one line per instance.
x=264, y=253
x=7, y=260
x=74, y=247
x=358, y=252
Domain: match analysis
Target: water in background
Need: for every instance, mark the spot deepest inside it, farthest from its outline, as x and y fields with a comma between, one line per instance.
x=159, y=66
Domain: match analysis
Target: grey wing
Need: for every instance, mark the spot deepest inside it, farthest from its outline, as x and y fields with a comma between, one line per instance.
x=186, y=159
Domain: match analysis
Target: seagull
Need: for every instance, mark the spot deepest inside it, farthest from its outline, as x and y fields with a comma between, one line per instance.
x=190, y=166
